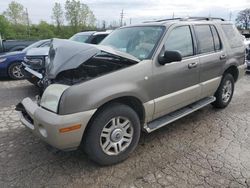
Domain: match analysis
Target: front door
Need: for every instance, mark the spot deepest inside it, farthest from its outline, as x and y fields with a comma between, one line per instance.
x=177, y=84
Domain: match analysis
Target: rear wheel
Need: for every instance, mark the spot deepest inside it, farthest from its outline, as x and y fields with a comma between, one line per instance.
x=113, y=134
x=225, y=92
x=15, y=71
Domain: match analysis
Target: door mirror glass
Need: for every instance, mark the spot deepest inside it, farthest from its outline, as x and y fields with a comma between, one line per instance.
x=169, y=57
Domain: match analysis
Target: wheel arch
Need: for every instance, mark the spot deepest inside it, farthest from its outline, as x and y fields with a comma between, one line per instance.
x=130, y=101
x=233, y=70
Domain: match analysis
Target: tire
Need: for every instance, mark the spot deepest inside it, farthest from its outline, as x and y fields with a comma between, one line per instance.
x=102, y=134
x=225, y=92
x=15, y=72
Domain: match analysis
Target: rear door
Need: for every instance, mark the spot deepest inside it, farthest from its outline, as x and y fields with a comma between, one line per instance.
x=177, y=83
x=212, y=57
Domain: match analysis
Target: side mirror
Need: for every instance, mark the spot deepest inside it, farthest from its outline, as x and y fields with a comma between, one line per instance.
x=169, y=57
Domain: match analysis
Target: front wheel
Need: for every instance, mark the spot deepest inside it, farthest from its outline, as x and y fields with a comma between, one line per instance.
x=225, y=92
x=112, y=135
x=15, y=71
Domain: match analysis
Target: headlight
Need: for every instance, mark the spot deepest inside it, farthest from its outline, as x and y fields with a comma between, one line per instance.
x=2, y=60
x=51, y=96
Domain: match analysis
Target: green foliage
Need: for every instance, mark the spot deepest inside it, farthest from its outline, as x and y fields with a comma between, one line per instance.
x=5, y=29
x=14, y=22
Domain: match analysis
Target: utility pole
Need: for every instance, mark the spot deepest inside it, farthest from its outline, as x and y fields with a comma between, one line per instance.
x=122, y=16
x=230, y=16
x=28, y=22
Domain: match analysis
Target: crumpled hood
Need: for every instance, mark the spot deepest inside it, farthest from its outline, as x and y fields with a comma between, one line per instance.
x=66, y=54
x=44, y=51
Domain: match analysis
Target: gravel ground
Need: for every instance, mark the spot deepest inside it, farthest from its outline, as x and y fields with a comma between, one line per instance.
x=209, y=148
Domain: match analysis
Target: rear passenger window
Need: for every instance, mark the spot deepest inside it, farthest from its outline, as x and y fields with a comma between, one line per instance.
x=217, y=42
x=180, y=39
x=204, y=39
x=232, y=35
x=97, y=39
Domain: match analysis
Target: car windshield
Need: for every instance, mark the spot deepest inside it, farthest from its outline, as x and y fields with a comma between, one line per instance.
x=79, y=38
x=137, y=41
x=34, y=45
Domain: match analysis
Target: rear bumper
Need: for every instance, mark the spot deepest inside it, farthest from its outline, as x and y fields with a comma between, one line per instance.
x=46, y=125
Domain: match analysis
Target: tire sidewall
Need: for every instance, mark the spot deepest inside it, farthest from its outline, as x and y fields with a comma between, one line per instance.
x=92, y=141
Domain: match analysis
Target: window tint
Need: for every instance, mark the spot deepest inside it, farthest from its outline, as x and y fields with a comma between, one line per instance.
x=217, y=42
x=180, y=39
x=204, y=38
x=232, y=35
x=97, y=39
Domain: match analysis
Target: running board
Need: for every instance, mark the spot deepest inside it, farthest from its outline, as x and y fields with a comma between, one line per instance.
x=173, y=116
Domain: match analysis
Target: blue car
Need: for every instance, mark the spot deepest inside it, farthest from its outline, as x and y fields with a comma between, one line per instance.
x=10, y=63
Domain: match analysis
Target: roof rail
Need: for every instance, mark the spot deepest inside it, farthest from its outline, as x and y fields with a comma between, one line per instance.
x=204, y=18
x=163, y=20
x=187, y=19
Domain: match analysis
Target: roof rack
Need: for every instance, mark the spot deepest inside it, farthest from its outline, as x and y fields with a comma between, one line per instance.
x=188, y=19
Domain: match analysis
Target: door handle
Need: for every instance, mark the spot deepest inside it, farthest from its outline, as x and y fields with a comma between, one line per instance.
x=192, y=65
x=224, y=56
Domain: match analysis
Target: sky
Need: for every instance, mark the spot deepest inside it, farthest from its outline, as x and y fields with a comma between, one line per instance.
x=137, y=10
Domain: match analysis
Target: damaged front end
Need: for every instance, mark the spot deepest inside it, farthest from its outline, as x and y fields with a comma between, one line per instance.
x=71, y=63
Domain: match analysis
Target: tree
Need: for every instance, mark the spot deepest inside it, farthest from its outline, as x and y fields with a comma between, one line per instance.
x=57, y=15
x=44, y=30
x=243, y=18
x=15, y=13
x=4, y=26
x=79, y=15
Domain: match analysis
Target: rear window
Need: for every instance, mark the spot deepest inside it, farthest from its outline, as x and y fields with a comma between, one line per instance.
x=204, y=39
x=232, y=35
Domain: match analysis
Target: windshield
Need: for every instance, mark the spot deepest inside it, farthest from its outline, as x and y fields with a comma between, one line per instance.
x=34, y=45
x=79, y=38
x=137, y=41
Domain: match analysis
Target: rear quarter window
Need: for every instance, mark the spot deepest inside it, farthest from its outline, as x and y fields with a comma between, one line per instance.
x=232, y=35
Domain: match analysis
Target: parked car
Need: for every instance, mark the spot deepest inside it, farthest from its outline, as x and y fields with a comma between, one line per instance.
x=91, y=37
x=140, y=77
x=11, y=62
x=13, y=45
x=247, y=44
x=35, y=60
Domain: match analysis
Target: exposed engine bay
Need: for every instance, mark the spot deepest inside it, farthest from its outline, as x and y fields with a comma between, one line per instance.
x=71, y=63
x=98, y=65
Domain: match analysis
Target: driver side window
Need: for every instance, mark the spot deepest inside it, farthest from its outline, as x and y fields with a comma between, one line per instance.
x=180, y=39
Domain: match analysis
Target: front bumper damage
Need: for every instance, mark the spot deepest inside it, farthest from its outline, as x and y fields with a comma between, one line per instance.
x=48, y=125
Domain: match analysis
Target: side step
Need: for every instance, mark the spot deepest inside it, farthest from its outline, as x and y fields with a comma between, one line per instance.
x=173, y=116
